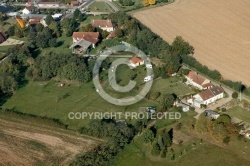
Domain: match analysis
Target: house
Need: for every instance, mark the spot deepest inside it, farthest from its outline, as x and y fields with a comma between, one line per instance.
x=105, y=25
x=74, y=3
x=198, y=81
x=211, y=114
x=185, y=107
x=84, y=41
x=207, y=97
x=28, y=10
x=136, y=61
x=48, y=4
x=3, y=37
x=35, y=20
x=111, y=35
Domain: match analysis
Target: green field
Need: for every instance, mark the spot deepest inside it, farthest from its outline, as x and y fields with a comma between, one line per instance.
x=98, y=7
x=239, y=113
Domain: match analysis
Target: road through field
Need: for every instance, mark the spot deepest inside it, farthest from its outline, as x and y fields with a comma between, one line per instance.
x=219, y=30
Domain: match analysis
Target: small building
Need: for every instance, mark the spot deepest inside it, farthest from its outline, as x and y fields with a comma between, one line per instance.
x=111, y=35
x=3, y=37
x=151, y=110
x=207, y=97
x=211, y=114
x=136, y=61
x=28, y=10
x=84, y=41
x=198, y=81
x=185, y=107
x=49, y=4
x=74, y=3
x=105, y=25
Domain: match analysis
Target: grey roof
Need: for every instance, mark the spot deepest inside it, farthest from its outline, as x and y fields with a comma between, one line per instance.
x=216, y=90
x=210, y=112
x=83, y=43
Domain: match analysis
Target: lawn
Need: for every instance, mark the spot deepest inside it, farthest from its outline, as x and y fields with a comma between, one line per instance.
x=48, y=99
x=171, y=85
x=98, y=7
x=239, y=113
x=88, y=20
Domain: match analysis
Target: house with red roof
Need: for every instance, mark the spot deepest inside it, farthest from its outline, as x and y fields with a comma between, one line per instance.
x=136, y=61
x=84, y=41
x=207, y=96
x=105, y=25
x=198, y=81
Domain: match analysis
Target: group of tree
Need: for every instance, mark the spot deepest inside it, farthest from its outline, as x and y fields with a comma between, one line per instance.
x=126, y=2
x=221, y=128
x=163, y=142
x=115, y=136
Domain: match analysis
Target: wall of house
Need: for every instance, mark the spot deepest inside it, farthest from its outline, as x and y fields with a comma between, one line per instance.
x=107, y=29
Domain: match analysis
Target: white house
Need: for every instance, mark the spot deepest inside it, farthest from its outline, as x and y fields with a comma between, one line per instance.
x=211, y=114
x=105, y=25
x=185, y=108
x=48, y=4
x=198, y=81
x=27, y=10
x=136, y=61
x=207, y=96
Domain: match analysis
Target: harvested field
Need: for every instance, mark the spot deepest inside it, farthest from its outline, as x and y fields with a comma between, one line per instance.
x=219, y=30
x=28, y=144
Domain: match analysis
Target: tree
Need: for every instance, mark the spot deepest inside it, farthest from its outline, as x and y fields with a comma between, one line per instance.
x=235, y=95
x=1, y=16
x=49, y=19
x=118, y=32
x=88, y=28
x=164, y=153
x=155, y=149
x=147, y=136
x=224, y=119
x=11, y=31
x=167, y=138
x=181, y=47
x=226, y=140
x=39, y=27
x=52, y=42
x=77, y=13
x=167, y=101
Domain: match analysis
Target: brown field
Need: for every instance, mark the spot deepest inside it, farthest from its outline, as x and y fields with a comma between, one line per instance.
x=219, y=30
x=28, y=144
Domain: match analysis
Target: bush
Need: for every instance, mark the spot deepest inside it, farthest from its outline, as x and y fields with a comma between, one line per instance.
x=226, y=140
x=235, y=95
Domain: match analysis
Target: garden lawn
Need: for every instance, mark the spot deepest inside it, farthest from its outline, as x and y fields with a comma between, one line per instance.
x=239, y=113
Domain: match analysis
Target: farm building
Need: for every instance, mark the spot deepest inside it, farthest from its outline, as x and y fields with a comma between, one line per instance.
x=198, y=81
x=105, y=25
x=207, y=97
x=3, y=37
x=136, y=61
x=48, y=4
x=211, y=114
x=84, y=41
x=185, y=107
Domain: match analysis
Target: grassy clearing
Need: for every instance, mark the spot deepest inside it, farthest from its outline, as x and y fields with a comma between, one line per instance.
x=43, y=99
x=239, y=113
x=98, y=7
x=88, y=20
x=171, y=85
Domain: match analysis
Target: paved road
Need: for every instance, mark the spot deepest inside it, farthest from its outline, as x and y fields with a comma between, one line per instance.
x=97, y=13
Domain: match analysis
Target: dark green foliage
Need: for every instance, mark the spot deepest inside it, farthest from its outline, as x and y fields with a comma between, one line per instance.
x=225, y=119
x=88, y=28
x=126, y=2
x=39, y=27
x=226, y=140
x=155, y=149
x=147, y=136
x=181, y=47
x=235, y=95
x=11, y=31
x=49, y=19
x=163, y=153
x=118, y=137
x=118, y=32
x=167, y=101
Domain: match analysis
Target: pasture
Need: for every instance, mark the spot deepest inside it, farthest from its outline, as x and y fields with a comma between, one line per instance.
x=218, y=31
